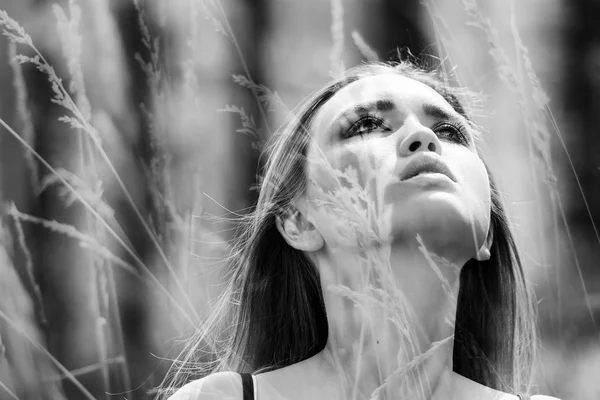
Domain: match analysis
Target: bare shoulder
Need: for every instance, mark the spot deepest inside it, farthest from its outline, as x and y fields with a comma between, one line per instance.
x=543, y=397
x=225, y=385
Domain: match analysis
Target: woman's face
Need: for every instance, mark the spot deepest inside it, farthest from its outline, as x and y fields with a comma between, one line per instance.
x=389, y=159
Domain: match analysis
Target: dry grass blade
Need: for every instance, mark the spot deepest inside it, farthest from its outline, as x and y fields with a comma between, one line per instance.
x=61, y=97
x=18, y=34
x=94, y=196
x=403, y=369
x=84, y=240
x=23, y=110
x=228, y=32
x=433, y=265
x=68, y=30
x=105, y=224
x=8, y=391
x=576, y=259
x=102, y=276
x=540, y=99
x=270, y=100
x=37, y=294
x=337, y=34
x=87, y=369
x=541, y=140
x=248, y=128
x=364, y=223
x=61, y=367
x=364, y=48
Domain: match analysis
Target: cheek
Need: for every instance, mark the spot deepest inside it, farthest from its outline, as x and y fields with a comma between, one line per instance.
x=343, y=192
x=359, y=161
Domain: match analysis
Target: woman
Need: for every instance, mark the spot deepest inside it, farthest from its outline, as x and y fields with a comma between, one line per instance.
x=378, y=262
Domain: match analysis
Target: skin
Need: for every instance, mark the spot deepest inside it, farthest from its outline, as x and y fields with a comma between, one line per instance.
x=451, y=218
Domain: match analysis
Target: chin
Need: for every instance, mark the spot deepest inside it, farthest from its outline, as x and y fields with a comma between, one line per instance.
x=444, y=222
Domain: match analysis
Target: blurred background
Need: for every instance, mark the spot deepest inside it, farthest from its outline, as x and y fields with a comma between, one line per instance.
x=109, y=250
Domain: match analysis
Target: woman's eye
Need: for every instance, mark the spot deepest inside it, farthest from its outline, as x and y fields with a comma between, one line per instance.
x=451, y=132
x=365, y=125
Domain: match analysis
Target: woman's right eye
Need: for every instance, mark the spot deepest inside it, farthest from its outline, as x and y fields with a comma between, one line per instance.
x=364, y=125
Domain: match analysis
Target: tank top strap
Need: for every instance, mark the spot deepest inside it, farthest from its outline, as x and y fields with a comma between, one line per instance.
x=247, y=386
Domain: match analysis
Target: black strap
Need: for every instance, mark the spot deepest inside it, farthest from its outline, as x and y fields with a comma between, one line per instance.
x=247, y=386
x=523, y=396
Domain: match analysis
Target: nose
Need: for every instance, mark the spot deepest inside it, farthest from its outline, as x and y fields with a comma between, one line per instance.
x=420, y=138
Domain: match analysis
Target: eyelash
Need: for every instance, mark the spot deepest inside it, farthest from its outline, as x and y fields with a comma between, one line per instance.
x=355, y=127
x=457, y=133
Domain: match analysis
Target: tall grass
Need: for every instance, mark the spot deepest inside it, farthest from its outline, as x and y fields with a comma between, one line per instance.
x=23, y=358
x=84, y=186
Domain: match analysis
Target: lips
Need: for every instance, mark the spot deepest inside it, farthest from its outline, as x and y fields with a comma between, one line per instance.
x=425, y=163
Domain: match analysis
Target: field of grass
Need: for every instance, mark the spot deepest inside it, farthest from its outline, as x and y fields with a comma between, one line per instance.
x=129, y=141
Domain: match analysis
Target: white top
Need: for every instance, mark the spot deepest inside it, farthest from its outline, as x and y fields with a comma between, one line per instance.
x=230, y=387
x=466, y=389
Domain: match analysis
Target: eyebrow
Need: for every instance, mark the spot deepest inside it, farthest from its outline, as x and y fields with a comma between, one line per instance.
x=437, y=112
x=380, y=105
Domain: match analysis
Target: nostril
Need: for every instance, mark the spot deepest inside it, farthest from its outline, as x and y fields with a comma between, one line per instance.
x=414, y=146
x=431, y=147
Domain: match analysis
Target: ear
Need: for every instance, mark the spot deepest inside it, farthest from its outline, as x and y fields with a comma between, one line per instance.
x=484, y=252
x=298, y=231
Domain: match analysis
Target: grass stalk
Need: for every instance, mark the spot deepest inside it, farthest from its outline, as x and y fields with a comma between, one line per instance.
x=23, y=112
x=337, y=34
x=68, y=28
x=526, y=110
x=54, y=361
x=85, y=370
x=10, y=393
x=541, y=102
x=115, y=319
x=229, y=33
x=103, y=222
x=99, y=327
x=62, y=97
x=35, y=288
x=367, y=51
x=575, y=258
x=557, y=246
x=572, y=166
x=84, y=239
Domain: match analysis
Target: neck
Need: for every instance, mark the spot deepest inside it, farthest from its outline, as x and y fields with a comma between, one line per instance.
x=391, y=316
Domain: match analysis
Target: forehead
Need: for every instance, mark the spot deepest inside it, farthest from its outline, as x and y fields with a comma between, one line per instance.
x=407, y=94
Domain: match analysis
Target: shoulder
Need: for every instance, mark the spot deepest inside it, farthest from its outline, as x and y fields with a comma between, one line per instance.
x=225, y=385
x=543, y=397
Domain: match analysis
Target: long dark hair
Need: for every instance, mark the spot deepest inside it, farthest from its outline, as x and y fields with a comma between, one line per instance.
x=272, y=313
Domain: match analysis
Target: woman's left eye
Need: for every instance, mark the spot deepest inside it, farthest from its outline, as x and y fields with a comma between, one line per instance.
x=365, y=125
x=451, y=132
